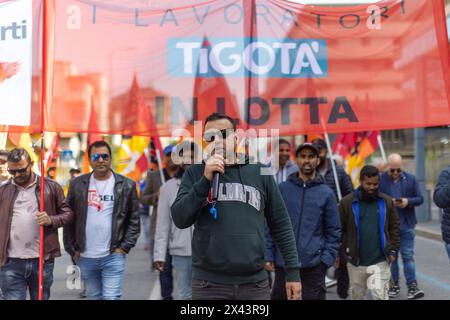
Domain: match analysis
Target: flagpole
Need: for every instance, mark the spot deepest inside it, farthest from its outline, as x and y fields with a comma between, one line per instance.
x=161, y=172
x=380, y=143
x=333, y=165
x=48, y=7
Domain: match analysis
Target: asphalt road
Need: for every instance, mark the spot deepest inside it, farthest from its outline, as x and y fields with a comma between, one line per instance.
x=432, y=266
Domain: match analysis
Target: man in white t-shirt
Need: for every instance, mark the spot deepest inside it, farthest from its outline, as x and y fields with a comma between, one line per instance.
x=107, y=224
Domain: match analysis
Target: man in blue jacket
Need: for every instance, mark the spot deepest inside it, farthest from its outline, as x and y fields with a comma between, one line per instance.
x=442, y=200
x=404, y=189
x=314, y=216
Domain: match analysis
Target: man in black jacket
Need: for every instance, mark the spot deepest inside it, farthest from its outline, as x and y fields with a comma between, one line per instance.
x=107, y=224
x=442, y=200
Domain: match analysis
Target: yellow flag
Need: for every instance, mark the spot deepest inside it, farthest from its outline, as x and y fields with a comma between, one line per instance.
x=133, y=159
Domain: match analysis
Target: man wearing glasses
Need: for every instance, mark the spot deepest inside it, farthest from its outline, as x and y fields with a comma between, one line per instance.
x=107, y=224
x=20, y=219
x=404, y=189
x=228, y=243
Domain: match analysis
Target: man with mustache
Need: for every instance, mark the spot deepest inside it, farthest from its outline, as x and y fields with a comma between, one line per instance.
x=20, y=219
x=314, y=216
x=370, y=236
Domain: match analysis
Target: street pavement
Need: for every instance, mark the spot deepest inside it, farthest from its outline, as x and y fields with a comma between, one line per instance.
x=432, y=263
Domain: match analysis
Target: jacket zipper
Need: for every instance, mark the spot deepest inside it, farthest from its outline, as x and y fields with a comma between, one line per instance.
x=301, y=213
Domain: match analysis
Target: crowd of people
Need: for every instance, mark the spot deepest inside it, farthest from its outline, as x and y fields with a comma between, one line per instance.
x=262, y=237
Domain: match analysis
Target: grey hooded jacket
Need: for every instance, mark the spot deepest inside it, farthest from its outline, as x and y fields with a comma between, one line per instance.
x=167, y=235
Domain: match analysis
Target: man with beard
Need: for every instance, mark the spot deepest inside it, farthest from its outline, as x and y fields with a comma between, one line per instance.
x=20, y=219
x=168, y=236
x=4, y=175
x=314, y=216
x=370, y=236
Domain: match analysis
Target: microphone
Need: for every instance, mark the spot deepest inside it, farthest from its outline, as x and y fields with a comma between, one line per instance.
x=215, y=187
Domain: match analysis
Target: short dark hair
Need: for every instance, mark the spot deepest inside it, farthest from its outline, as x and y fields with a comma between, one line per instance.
x=283, y=141
x=99, y=144
x=369, y=172
x=219, y=116
x=17, y=154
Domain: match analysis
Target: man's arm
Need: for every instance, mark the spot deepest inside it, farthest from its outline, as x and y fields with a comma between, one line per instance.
x=393, y=228
x=69, y=229
x=332, y=231
x=281, y=230
x=149, y=196
x=133, y=227
x=441, y=194
x=270, y=249
x=417, y=199
x=163, y=226
x=64, y=215
x=191, y=198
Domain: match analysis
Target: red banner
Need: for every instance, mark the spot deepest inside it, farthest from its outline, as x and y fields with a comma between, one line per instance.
x=269, y=63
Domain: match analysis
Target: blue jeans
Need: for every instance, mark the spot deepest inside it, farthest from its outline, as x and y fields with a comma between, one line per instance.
x=447, y=246
x=182, y=267
x=407, y=253
x=166, y=279
x=18, y=275
x=103, y=277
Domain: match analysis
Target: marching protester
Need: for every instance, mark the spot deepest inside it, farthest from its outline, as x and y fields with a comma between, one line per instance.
x=150, y=196
x=106, y=226
x=228, y=247
x=442, y=200
x=346, y=187
x=168, y=236
x=370, y=235
x=404, y=189
x=313, y=211
x=20, y=219
x=4, y=175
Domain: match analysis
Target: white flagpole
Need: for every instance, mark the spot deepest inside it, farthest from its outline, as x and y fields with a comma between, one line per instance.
x=380, y=143
x=333, y=166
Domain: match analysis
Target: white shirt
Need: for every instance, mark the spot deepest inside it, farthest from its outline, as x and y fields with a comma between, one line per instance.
x=99, y=217
x=24, y=236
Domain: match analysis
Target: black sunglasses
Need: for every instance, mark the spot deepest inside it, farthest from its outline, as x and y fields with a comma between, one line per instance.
x=13, y=172
x=398, y=170
x=210, y=136
x=97, y=156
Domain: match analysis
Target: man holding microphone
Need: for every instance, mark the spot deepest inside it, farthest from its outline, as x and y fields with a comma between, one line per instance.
x=228, y=245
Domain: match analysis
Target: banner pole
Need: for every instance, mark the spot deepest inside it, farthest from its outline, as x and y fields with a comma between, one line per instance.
x=47, y=28
x=380, y=143
x=41, y=228
x=161, y=172
x=333, y=165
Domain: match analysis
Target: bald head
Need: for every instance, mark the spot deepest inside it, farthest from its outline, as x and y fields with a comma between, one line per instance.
x=395, y=166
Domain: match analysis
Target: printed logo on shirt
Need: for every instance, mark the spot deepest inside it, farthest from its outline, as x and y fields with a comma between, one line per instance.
x=98, y=201
x=239, y=192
